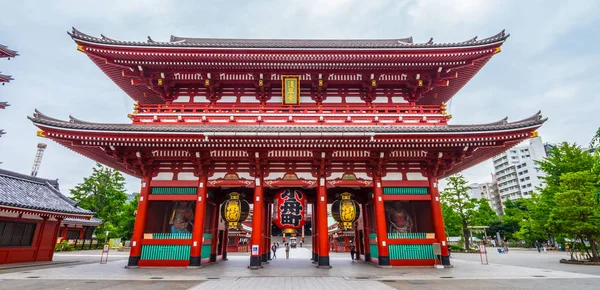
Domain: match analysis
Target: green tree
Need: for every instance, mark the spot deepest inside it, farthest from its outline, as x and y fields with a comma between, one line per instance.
x=127, y=218
x=456, y=196
x=451, y=221
x=103, y=192
x=484, y=215
x=576, y=213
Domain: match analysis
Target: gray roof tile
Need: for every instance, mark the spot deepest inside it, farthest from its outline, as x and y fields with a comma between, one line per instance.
x=27, y=192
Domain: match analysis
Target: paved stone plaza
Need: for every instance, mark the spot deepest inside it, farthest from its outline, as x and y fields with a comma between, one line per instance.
x=519, y=270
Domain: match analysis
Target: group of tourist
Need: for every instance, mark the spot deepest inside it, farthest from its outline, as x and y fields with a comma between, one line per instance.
x=275, y=247
x=539, y=246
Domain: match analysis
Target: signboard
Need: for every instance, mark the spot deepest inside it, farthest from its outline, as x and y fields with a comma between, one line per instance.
x=290, y=90
x=103, y=258
x=437, y=249
x=254, y=250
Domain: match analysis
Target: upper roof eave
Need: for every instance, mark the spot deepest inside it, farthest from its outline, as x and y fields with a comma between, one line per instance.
x=290, y=44
x=39, y=119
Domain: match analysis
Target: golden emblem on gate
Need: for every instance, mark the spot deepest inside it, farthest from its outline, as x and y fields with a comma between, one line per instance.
x=290, y=89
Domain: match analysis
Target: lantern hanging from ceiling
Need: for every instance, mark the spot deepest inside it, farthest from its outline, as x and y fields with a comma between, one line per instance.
x=289, y=209
x=235, y=210
x=345, y=211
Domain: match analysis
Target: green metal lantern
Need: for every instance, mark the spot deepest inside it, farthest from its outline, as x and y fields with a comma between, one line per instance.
x=345, y=211
x=235, y=210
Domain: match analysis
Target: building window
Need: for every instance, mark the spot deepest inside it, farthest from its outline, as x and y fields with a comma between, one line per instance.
x=72, y=235
x=16, y=234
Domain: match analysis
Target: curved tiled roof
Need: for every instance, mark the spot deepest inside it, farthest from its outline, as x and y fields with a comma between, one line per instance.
x=73, y=123
x=6, y=52
x=5, y=78
x=400, y=43
x=34, y=193
x=91, y=222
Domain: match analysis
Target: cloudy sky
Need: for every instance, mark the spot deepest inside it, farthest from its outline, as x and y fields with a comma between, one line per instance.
x=549, y=63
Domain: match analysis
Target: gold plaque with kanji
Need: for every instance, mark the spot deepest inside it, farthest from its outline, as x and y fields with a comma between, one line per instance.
x=290, y=90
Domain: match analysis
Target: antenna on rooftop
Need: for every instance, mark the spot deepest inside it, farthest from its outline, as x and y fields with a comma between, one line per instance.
x=38, y=158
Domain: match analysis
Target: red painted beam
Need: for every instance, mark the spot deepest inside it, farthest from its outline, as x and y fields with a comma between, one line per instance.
x=415, y=263
x=411, y=241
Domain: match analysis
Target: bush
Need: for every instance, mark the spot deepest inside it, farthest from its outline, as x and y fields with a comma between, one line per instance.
x=456, y=248
x=64, y=246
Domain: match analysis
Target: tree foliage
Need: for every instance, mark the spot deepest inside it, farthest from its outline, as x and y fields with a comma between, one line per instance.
x=103, y=192
x=456, y=197
x=577, y=214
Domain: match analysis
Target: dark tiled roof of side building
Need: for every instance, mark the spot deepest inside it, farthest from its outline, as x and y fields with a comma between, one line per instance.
x=34, y=193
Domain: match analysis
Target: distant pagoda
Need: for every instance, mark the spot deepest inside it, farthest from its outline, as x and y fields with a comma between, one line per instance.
x=5, y=52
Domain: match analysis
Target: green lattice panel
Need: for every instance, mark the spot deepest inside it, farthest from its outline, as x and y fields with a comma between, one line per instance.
x=206, y=251
x=405, y=190
x=407, y=235
x=374, y=251
x=411, y=252
x=173, y=190
x=163, y=236
x=165, y=252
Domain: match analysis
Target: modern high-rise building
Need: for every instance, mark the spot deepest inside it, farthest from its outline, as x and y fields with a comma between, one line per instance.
x=516, y=170
x=489, y=191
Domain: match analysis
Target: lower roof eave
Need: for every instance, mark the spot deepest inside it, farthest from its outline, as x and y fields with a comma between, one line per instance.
x=6, y=208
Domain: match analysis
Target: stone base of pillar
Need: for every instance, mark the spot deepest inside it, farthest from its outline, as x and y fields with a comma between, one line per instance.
x=195, y=261
x=225, y=256
x=263, y=258
x=367, y=257
x=254, y=263
x=213, y=257
x=445, y=260
x=383, y=260
x=324, y=262
x=133, y=262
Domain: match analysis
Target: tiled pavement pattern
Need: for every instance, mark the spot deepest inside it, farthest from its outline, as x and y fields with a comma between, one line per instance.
x=504, y=271
x=292, y=283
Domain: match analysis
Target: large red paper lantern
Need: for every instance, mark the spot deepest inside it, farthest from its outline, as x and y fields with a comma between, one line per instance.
x=290, y=209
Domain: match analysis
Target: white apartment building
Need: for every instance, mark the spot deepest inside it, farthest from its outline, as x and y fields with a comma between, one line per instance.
x=516, y=171
x=489, y=191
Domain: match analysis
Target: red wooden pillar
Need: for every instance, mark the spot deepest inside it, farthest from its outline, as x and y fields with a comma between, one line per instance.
x=380, y=223
x=322, y=224
x=215, y=234
x=55, y=237
x=198, y=230
x=366, y=232
x=225, y=244
x=264, y=242
x=257, y=223
x=438, y=220
x=269, y=229
x=38, y=243
x=313, y=229
x=140, y=223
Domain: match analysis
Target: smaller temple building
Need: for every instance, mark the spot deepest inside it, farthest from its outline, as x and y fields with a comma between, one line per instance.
x=31, y=212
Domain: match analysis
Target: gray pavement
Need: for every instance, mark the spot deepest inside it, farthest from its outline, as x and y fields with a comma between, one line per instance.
x=518, y=270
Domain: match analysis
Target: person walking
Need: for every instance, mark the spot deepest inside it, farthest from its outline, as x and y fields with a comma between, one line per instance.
x=545, y=246
x=352, y=251
x=287, y=250
x=537, y=245
x=274, y=249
